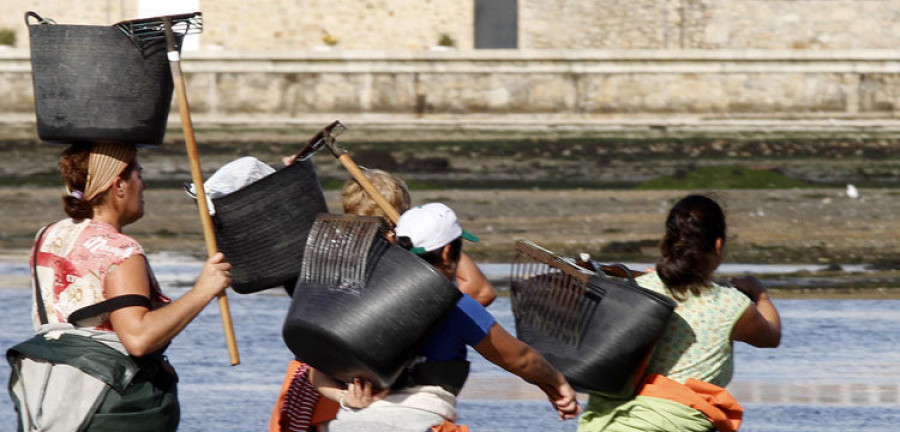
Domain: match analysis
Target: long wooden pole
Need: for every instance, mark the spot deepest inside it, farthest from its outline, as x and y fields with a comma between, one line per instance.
x=197, y=177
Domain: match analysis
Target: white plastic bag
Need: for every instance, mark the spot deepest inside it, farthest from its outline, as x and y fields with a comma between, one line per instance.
x=231, y=177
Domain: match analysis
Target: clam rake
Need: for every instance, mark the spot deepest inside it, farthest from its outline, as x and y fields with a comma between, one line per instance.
x=141, y=31
x=598, y=330
x=551, y=293
x=338, y=248
x=173, y=28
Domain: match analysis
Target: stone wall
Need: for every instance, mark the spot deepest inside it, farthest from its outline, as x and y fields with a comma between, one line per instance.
x=88, y=12
x=290, y=58
x=344, y=24
x=710, y=24
x=296, y=84
x=283, y=24
x=392, y=25
x=621, y=24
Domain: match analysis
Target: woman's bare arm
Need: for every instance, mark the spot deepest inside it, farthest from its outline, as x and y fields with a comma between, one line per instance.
x=504, y=350
x=358, y=394
x=143, y=331
x=473, y=282
x=760, y=325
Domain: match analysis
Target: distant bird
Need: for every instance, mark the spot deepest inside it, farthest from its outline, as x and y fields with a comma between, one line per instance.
x=852, y=192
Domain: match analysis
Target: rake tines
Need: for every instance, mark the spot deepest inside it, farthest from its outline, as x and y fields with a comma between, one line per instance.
x=551, y=294
x=144, y=30
x=338, y=248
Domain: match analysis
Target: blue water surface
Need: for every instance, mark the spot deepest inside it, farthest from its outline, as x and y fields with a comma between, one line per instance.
x=838, y=369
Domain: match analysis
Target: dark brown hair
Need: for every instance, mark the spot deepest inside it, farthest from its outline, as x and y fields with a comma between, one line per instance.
x=689, y=247
x=73, y=163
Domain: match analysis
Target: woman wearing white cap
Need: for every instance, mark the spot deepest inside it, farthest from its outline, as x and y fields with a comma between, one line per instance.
x=428, y=399
x=93, y=283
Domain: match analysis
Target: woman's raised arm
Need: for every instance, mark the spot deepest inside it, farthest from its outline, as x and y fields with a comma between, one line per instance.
x=760, y=325
x=504, y=350
x=143, y=331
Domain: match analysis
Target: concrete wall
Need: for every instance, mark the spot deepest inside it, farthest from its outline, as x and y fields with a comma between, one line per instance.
x=290, y=58
x=345, y=24
x=710, y=24
x=392, y=25
x=88, y=12
x=296, y=84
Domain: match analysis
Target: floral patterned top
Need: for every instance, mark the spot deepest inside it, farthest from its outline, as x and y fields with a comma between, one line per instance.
x=73, y=261
x=697, y=341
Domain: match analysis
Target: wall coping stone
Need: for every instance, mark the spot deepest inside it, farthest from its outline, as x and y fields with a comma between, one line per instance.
x=518, y=55
x=524, y=61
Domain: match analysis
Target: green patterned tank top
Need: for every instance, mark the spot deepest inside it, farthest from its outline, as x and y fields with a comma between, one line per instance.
x=697, y=340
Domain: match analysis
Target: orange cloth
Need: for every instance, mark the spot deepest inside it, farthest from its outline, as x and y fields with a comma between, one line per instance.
x=323, y=411
x=449, y=426
x=275, y=418
x=722, y=409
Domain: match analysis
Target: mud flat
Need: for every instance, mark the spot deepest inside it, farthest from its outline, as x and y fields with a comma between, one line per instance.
x=820, y=226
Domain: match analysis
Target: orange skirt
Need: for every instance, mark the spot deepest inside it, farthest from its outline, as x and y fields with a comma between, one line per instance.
x=299, y=405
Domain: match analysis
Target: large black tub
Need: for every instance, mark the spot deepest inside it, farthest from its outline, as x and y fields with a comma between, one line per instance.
x=93, y=84
x=598, y=330
x=262, y=228
x=369, y=330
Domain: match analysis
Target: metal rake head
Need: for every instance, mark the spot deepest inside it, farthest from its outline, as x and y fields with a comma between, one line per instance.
x=551, y=293
x=321, y=138
x=338, y=249
x=144, y=30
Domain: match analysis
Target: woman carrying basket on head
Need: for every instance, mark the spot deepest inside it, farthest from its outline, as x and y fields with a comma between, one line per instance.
x=694, y=361
x=99, y=309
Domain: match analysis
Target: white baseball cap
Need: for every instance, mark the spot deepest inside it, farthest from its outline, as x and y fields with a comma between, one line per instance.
x=430, y=227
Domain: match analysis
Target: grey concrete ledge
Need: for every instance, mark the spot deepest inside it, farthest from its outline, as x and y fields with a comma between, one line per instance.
x=543, y=124
x=7, y=53
x=523, y=62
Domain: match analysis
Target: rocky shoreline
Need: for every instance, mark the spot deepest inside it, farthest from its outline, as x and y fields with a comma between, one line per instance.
x=520, y=154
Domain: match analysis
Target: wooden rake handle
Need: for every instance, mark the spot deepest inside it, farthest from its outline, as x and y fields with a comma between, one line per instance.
x=361, y=178
x=367, y=186
x=197, y=177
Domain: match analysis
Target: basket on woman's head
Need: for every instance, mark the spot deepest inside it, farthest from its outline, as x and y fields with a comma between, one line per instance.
x=93, y=84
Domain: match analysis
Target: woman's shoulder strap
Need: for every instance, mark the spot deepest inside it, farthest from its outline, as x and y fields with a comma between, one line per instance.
x=38, y=298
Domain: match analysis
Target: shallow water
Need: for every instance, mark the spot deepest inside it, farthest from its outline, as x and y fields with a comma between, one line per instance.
x=501, y=271
x=838, y=368
x=497, y=272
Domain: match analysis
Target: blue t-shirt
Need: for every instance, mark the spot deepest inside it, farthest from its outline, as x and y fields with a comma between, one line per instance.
x=467, y=324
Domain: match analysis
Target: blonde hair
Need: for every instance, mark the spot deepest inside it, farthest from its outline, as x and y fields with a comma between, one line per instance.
x=356, y=201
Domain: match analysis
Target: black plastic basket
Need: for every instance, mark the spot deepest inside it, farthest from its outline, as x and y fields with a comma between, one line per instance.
x=373, y=329
x=94, y=84
x=598, y=330
x=262, y=228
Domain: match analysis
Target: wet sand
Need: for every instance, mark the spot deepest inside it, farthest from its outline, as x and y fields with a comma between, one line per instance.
x=818, y=226
x=765, y=226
